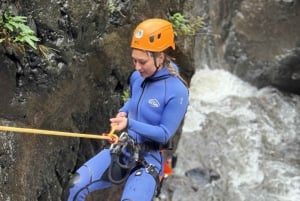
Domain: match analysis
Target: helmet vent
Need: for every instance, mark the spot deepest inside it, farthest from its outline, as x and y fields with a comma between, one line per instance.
x=158, y=36
x=151, y=39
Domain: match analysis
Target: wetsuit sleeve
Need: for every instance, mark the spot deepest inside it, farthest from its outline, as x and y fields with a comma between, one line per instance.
x=171, y=118
x=124, y=108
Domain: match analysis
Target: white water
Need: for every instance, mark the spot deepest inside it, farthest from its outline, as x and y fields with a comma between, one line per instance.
x=249, y=136
x=212, y=86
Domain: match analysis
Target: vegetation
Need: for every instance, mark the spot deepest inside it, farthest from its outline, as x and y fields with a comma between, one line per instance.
x=111, y=7
x=184, y=26
x=125, y=95
x=15, y=33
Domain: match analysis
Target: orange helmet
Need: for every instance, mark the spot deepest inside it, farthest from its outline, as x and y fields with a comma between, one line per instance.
x=153, y=35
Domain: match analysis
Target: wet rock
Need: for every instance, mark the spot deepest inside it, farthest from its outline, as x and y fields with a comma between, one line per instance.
x=202, y=176
x=73, y=82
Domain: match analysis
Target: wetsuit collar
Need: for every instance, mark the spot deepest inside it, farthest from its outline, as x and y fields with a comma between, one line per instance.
x=158, y=75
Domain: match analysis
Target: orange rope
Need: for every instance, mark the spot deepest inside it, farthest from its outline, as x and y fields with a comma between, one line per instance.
x=113, y=138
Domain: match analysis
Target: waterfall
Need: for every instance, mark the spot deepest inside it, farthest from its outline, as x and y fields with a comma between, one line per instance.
x=249, y=137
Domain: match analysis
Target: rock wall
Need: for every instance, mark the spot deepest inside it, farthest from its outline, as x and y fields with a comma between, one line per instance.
x=76, y=89
x=255, y=40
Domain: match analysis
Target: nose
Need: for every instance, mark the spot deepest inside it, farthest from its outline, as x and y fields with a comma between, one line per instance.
x=137, y=66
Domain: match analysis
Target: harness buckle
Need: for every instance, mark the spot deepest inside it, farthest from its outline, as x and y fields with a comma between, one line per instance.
x=150, y=168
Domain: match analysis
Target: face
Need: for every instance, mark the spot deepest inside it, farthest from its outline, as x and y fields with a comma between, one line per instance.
x=144, y=62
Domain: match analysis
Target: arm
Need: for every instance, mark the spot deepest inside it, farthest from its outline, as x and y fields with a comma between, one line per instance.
x=171, y=118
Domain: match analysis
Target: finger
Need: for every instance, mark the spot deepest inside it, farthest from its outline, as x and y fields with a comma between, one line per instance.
x=113, y=120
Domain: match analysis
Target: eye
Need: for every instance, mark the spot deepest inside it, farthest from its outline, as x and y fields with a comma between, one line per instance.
x=141, y=62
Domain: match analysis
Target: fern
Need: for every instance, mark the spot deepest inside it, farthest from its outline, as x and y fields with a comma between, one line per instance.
x=14, y=29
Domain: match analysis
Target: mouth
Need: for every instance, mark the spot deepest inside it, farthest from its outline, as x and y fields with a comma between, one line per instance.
x=142, y=73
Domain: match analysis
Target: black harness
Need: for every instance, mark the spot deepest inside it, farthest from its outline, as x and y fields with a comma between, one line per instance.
x=126, y=156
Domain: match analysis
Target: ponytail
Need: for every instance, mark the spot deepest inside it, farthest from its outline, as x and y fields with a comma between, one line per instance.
x=168, y=63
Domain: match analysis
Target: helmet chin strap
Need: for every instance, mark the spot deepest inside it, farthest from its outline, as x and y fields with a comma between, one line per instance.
x=155, y=64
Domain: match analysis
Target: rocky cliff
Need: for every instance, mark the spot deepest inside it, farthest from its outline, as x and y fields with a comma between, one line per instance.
x=77, y=88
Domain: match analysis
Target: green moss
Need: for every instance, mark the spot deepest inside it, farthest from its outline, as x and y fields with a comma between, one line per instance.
x=184, y=26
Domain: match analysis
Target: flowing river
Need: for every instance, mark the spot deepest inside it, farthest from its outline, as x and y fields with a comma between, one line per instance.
x=243, y=141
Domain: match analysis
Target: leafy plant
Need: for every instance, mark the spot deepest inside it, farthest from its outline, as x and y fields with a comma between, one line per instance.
x=184, y=26
x=111, y=7
x=125, y=95
x=14, y=31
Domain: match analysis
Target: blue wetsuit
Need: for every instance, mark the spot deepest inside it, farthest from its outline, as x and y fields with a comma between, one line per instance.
x=155, y=110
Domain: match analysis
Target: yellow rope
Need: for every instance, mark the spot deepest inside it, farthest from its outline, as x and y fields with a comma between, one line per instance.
x=111, y=136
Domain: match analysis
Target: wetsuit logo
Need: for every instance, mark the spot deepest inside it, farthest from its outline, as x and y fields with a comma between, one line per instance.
x=153, y=102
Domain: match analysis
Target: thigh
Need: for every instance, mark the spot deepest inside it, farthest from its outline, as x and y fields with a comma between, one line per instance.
x=96, y=166
x=139, y=186
x=88, y=177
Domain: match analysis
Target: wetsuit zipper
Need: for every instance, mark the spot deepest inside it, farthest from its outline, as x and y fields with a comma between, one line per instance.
x=143, y=85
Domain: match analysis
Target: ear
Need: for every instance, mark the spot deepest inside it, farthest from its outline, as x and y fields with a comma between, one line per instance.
x=161, y=57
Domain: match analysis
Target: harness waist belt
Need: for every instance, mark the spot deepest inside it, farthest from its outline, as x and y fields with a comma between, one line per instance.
x=147, y=146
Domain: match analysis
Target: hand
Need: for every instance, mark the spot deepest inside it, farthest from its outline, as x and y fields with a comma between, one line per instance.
x=119, y=123
x=121, y=114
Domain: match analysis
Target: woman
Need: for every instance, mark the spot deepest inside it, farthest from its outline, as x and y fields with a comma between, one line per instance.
x=151, y=116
